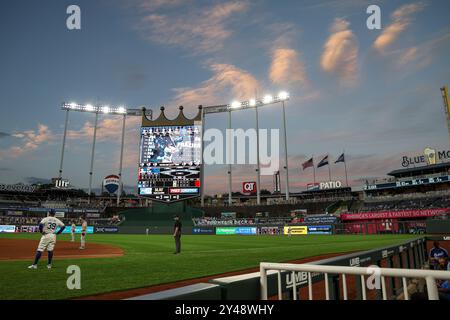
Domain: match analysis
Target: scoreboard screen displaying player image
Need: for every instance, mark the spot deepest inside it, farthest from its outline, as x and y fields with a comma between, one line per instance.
x=169, y=164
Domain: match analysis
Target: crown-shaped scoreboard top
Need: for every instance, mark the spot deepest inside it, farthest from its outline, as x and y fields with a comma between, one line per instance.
x=162, y=120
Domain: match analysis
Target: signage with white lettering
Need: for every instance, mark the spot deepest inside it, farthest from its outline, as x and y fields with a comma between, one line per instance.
x=430, y=156
x=330, y=185
x=17, y=188
x=61, y=183
x=406, y=183
x=248, y=187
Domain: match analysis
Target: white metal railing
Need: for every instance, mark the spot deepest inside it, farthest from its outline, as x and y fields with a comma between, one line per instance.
x=430, y=277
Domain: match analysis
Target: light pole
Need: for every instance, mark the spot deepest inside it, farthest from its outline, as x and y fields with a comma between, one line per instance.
x=63, y=145
x=284, y=96
x=258, y=167
x=92, y=156
x=230, y=179
x=202, y=169
x=119, y=192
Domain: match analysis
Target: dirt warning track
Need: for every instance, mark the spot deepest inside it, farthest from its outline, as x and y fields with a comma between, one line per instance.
x=24, y=249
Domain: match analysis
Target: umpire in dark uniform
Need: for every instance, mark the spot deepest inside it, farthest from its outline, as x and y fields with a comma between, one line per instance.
x=177, y=234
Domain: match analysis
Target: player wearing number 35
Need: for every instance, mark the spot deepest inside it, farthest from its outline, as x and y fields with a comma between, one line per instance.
x=48, y=227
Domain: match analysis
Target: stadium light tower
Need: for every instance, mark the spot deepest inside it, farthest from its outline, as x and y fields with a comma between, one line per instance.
x=285, y=96
x=255, y=103
x=230, y=168
x=106, y=110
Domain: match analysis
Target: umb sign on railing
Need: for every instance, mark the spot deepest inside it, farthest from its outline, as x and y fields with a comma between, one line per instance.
x=430, y=277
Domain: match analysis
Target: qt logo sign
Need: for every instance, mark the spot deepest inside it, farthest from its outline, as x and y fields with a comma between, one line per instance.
x=248, y=187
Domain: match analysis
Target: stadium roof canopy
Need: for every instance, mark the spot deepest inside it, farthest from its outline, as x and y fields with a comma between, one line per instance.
x=419, y=171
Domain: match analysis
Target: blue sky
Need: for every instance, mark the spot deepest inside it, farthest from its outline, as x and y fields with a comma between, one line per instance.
x=374, y=93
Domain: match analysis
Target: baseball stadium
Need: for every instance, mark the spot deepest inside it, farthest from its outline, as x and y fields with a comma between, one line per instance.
x=127, y=241
x=319, y=190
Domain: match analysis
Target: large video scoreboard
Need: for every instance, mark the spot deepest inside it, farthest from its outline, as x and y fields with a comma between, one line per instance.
x=169, y=164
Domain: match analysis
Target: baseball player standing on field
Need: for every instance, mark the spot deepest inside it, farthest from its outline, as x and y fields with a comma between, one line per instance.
x=72, y=231
x=83, y=231
x=48, y=227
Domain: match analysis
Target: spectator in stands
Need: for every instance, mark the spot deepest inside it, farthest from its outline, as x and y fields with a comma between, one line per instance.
x=443, y=264
x=435, y=253
x=444, y=290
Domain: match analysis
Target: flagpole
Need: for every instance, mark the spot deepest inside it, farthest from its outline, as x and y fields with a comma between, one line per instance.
x=329, y=168
x=314, y=171
x=346, y=177
x=345, y=166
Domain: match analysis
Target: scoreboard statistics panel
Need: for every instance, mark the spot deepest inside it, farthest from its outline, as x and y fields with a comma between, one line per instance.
x=169, y=165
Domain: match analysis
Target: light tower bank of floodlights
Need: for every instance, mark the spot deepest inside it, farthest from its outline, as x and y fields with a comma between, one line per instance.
x=97, y=110
x=170, y=157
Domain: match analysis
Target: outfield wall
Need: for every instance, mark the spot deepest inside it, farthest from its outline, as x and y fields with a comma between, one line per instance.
x=159, y=215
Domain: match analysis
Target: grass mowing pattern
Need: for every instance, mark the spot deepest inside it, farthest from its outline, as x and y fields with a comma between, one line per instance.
x=149, y=260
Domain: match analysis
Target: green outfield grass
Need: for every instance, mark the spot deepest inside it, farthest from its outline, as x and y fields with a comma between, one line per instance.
x=149, y=260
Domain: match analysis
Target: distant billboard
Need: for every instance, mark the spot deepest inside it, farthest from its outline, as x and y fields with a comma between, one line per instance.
x=327, y=185
x=22, y=188
x=60, y=183
x=249, y=187
x=111, y=183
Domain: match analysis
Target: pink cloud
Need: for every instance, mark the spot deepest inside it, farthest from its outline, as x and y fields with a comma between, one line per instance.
x=340, y=54
x=30, y=141
x=401, y=19
x=286, y=67
x=200, y=30
x=227, y=78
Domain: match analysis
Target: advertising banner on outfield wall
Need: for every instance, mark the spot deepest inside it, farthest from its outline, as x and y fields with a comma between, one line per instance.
x=270, y=230
x=320, y=229
x=29, y=229
x=106, y=229
x=296, y=230
x=78, y=229
x=7, y=229
x=419, y=213
x=321, y=219
x=236, y=230
x=203, y=230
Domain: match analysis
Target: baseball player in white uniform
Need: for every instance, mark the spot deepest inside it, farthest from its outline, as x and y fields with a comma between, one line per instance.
x=49, y=229
x=83, y=231
x=72, y=231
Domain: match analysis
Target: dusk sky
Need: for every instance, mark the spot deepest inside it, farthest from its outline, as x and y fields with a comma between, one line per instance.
x=373, y=93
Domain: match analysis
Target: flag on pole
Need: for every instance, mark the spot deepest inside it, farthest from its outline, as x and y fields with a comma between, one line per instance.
x=341, y=158
x=323, y=162
x=308, y=164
